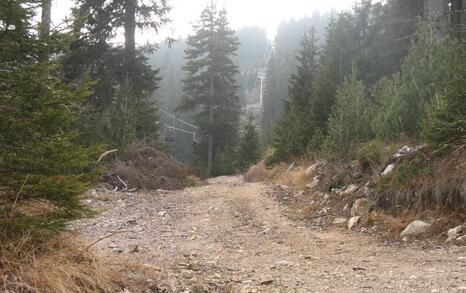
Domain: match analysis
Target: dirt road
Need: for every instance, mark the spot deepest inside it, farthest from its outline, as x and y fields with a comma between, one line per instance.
x=234, y=237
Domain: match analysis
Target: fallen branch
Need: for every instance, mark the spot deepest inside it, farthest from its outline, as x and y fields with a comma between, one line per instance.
x=123, y=182
x=97, y=241
x=106, y=153
x=17, y=196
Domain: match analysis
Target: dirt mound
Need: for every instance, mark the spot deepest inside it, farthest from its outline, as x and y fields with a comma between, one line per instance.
x=146, y=168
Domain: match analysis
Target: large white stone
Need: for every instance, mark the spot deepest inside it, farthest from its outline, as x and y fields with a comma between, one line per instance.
x=416, y=228
x=353, y=222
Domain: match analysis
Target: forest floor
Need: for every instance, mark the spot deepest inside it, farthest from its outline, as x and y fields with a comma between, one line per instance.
x=231, y=236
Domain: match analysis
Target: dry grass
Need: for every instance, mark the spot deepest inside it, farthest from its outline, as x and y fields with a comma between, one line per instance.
x=295, y=178
x=57, y=265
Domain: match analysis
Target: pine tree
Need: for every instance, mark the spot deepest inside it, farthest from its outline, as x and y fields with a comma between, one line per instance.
x=338, y=53
x=249, y=149
x=297, y=126
x=348, y=123
x=41, y=165
x=92, y=56
x=446, y=126
x=210, y=87
x=424, y=74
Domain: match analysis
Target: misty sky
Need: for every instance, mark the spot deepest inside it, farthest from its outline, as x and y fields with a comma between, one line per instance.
x=265, y=13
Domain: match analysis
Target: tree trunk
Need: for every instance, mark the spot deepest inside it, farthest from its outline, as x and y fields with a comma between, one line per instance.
x=44, y=30
x=456, y=23
x=130, y=31
x=437, y=11
x=210, y=149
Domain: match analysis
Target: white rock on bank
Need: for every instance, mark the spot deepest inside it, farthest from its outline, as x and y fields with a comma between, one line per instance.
x=388, y=170
x=353, y=222
x=361, y=207
x=455, y=232
x=310, y=171
x=416, y=228
x=349, y=190
x=313, y=184
x=461, y=240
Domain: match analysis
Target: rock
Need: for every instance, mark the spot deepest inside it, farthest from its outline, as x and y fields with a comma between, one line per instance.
x=388, y=170
x=416, y=228
x=313, y=184
x=267, y=282
x=283, y=263
x=461, y=240
x=291, y=167
x=339, y=221
x=361, y=207
x=455, y=232
x=406, y=150
x=346, y=207
x=162, y=213
x=353, y=222
x=187, y=274
x=193, y=267
x=349, y=190
x=310, y=171
x=132, y=248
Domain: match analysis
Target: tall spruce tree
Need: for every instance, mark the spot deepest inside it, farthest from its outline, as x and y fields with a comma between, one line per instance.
x=210, y=89
x=338, y=53
x=297, y=126
x=249, y=147
x=92, y=56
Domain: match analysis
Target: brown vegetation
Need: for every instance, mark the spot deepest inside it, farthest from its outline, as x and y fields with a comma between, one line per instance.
x=144, y=167
x=59, y=264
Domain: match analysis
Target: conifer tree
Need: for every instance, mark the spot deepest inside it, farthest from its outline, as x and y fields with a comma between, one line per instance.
x=41, y=165
x=249, y=149
x=349, y=120
x=93, y=56
x=297, y=126
x=424, y=74
x=446, y=126
x=210, y=88
x=338, y=53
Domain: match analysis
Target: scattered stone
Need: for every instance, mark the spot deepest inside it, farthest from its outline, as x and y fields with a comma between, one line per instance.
x=187, y=274
x=361, y=207
x=266, y=282
x=461, y=240
x=265, y=231
x=162, y=214
x=283, y=263
x=193, y=267
x=291, y=167
x=340, y=221
x=132, y=248
x=310, y=171
x=388, y=170
x=353, y=222
x=313, y=184
x=346, y=207
x=416, y=228
x=349, y=190
x=455, y=232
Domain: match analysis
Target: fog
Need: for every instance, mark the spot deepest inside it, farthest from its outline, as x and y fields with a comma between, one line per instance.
x=264, y=13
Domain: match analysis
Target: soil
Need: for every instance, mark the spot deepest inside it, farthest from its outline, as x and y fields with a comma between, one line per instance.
x=231, y=236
